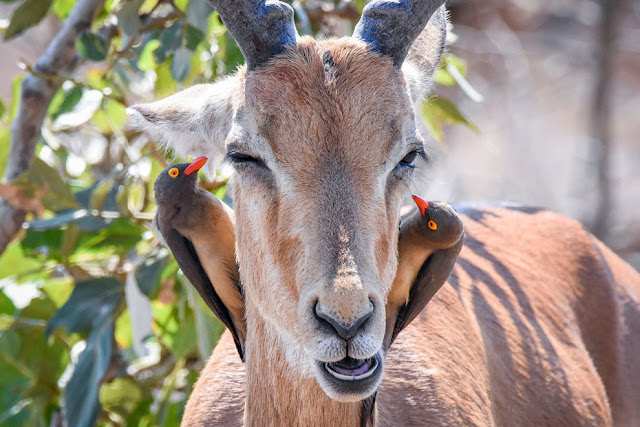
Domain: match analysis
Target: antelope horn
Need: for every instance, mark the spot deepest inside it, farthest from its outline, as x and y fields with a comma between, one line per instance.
x=391, y=26
x=260, y=28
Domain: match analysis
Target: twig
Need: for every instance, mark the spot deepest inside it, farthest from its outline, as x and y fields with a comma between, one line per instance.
x=61, y=79
x=600, y=122
x=319, y=10
x=148, y=24
x=35, y=97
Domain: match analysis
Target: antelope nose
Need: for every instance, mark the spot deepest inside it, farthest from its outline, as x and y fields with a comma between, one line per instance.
x=346, y=332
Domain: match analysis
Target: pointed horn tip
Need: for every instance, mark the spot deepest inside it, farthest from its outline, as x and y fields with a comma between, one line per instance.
x=195, y=165
x=422, y=204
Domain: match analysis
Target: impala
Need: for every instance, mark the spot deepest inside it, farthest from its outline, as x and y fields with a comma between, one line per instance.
x=538, y=324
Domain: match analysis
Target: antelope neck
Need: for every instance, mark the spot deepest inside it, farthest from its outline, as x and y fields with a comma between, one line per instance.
x=276, y=394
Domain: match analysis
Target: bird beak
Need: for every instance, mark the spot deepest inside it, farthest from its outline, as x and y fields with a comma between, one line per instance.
x=422, y=205
x=195, y=166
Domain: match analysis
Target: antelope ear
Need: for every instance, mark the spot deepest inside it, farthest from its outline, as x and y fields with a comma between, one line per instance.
x=424, y=56
x=425, y=260
x=193, y=122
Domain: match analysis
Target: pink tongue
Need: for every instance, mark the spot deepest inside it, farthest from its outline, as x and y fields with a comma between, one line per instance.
x=359, y=370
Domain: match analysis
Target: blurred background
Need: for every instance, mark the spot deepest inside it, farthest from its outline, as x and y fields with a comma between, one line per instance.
x=535, y=102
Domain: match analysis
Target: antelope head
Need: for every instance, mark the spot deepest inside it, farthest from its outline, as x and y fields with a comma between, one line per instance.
x=323, y=138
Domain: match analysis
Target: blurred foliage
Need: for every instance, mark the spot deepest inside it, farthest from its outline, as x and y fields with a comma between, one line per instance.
x=95, y=315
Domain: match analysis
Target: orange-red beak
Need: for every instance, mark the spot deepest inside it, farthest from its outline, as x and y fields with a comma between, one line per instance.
x=195, y=166
x=422, y=205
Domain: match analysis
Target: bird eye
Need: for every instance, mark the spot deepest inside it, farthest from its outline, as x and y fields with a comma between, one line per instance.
x=432, y=225
x=174, y=172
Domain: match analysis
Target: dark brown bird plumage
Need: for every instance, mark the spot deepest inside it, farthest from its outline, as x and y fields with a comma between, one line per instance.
x=199, y=230
x=428, y=246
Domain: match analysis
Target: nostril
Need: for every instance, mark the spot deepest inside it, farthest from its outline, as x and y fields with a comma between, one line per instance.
x=346, y=332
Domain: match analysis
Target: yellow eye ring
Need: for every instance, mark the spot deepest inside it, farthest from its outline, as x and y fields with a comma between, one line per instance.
x=173, y=172
x=432, y=225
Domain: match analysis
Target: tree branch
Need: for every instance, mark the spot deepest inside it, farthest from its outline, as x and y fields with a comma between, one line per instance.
x=600, y=120
x=35, y=97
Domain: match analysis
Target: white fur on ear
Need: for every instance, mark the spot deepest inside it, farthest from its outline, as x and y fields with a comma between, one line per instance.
x=424, y=56
x=193, y=122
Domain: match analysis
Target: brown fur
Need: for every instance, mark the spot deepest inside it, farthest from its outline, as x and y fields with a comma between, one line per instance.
x=321, y=219
x=538, y=325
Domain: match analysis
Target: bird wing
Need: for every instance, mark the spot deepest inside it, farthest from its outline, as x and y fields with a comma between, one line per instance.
x=187, y=258
x=432, y=275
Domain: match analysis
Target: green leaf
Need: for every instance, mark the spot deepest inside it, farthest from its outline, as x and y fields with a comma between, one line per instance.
x=3, y=109
x=16, y=88
x=41, y=176
x=56, y=221
x=123, y=332
x=25, y=352
x=90, y=301
x=121, y=235
x=6, y=305
x=81, y=394
x=460, y=64
x=122, y=396
x=82, y=219
x=81, y=113
x=5, y=146
x=58, y=289
x=128, y=18
x=148, y=6
x=181, y=4
x=170, y=40
x=148, y=274
x=185, y=341
x=193, y=37
x=446, y=111
x=232, y=54
x=71, y=98
x=442, y=77
x=13, y=380
x=69, y=241
x=28, y=14
x=146, y=61
x=91, y=46
x=430, y=121
x=100, y=193
x=83, y=197
x=181, y=64
x=208, y=327
x=110, y=6
x=360, y=4
x=198, y=15
x=14, y=262
x=47, y=242
x=165, y=84
x=111, y=117
x=62, y=8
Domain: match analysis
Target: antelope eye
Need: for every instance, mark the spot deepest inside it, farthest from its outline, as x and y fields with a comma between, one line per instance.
x=408, y=160
x=173, y=172
x=238, y=158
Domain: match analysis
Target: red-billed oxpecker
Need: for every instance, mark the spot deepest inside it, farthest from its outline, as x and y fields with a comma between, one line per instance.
x=199, y=230
x=428, y=246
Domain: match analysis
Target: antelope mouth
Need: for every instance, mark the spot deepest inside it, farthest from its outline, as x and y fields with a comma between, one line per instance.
x=349, y=379
x=349, y=369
